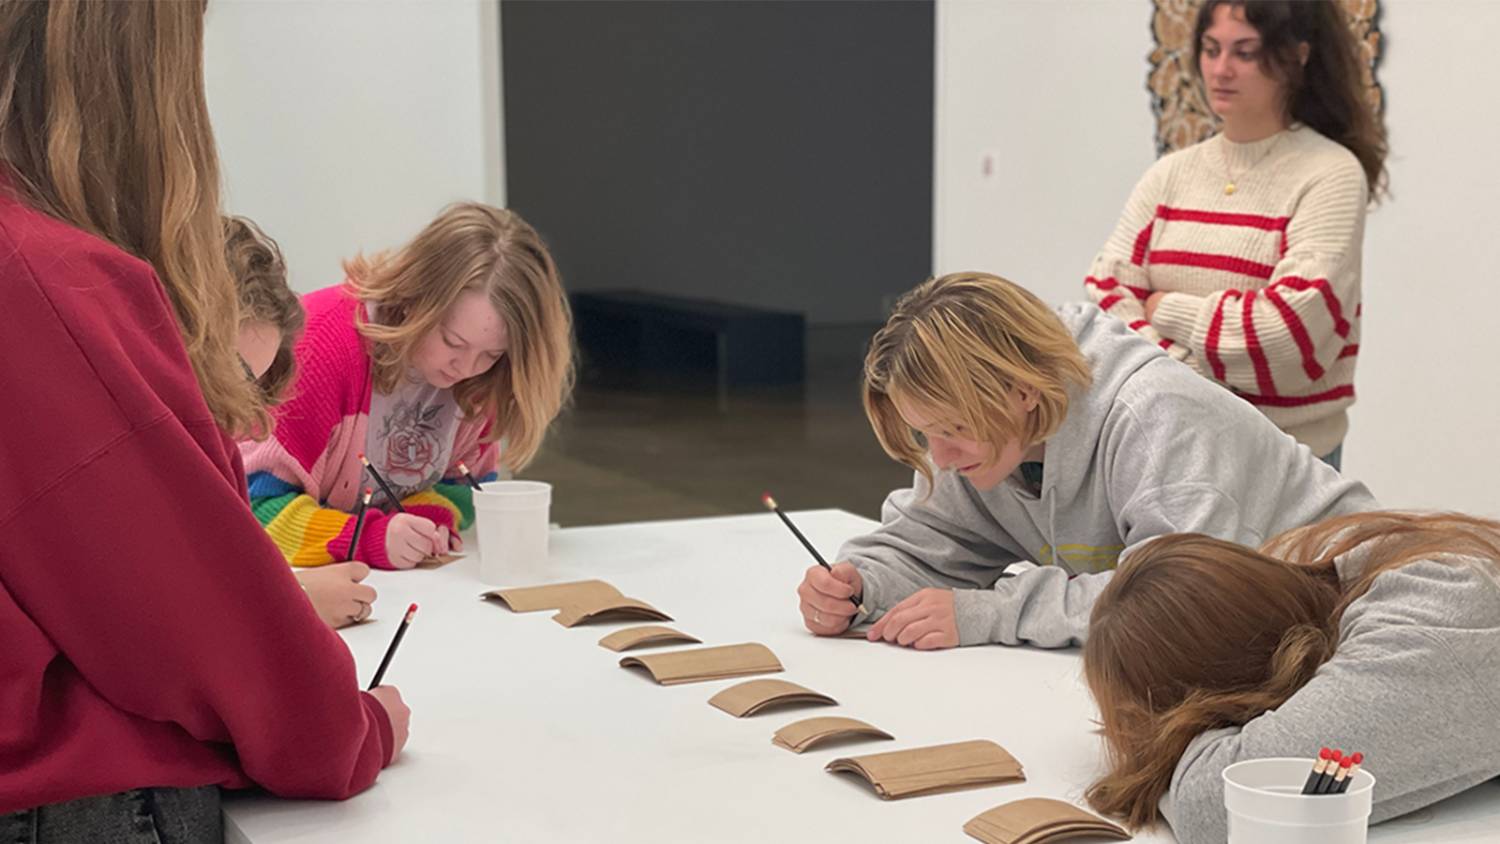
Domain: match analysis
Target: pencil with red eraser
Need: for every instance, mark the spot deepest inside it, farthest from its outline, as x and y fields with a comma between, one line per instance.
x=1319, y=766
x=384, y=487
x=385, y=661
x=1355, y=758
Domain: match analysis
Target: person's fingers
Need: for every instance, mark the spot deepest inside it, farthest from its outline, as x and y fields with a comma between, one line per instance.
x=933, y=641
x=917, y=629
x=362, y=593
x=827, y=584
x=357, y=571
x=897, y=619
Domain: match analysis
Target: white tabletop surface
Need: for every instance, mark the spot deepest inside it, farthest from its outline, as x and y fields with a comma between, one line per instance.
x=524, y=731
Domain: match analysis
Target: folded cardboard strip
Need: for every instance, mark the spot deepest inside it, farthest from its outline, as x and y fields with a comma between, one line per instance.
x=644, y=636
x=608, y=609
x=1039, y=820
x=553, y=596
x=438, y=560
x=699, y=664
x=811, y=732
x=752, y=696
x=930, y=770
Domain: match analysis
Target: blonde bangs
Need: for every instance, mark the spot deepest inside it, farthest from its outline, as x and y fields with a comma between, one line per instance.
x=471, y=246
x=958, y=347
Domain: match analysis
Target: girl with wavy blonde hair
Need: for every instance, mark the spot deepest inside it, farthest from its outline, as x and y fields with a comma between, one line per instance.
x=455, y=349
x=1377, y=632
x=1054, y=437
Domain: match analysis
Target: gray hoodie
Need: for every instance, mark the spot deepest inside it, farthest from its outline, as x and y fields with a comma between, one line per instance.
x=1414, y=685
x=1149, y=448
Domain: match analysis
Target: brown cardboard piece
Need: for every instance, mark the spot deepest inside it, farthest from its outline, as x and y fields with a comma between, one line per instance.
x=553, y=596
x=437, y=561
x=751, y=696
x=811, y=732
x=640, y=637
x=929, y=770
x=608, y=609
x=1039, y=820
x=699, y=664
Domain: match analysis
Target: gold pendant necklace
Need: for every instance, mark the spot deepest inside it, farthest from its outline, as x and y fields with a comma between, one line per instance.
x=1230, y=179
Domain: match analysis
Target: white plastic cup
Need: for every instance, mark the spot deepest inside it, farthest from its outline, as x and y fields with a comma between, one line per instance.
x=511, y=526
x=1266, y=805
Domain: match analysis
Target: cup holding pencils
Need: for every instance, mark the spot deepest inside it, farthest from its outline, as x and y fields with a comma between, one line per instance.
x=1267, y=802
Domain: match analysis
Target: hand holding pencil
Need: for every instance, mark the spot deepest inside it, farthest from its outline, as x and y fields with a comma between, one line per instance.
x=830, y=594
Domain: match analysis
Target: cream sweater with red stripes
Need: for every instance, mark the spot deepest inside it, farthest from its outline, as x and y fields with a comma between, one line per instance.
x=1262, y=284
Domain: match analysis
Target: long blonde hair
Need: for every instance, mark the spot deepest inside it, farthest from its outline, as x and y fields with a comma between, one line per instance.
x=470, y=246
x=963, y=343
x=104, y=125
x=1195, y=633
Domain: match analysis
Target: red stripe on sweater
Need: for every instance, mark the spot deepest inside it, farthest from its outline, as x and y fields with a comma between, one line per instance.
x=1336, y=394
x=1210, y=261
x=1335, y=309
x=1111, y=284
x=1138, y=325
x=1219, y=218
x=1252, y=346
x=1142, y=241
x=1349, y=351
x=1166, y=343
x=1294, y=324
x=1211, y=341
x=1110, y=301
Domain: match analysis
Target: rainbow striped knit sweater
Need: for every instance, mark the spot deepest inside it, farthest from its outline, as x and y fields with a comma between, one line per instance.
x=305, y=479
x=1261, y=282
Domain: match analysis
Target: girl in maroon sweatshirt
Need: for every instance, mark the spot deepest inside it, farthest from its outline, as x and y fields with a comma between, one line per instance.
x=154, y=647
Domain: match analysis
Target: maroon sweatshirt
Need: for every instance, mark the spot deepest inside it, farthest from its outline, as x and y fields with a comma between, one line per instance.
x=150, y=632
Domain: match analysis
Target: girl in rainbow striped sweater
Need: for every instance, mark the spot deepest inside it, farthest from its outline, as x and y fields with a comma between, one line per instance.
x=425, y=358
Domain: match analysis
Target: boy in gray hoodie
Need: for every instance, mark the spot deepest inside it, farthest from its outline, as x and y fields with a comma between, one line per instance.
x=1060, y=440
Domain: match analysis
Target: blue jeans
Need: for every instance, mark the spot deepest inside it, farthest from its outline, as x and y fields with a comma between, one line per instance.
x=138, y=816
x=1335, y=458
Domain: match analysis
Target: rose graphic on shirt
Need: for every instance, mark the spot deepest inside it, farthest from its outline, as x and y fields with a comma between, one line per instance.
x=411, y=444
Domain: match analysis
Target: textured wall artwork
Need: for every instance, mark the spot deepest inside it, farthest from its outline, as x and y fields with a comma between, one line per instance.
x=1182, y=114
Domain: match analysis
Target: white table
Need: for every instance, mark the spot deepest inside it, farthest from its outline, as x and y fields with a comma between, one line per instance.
x=524, y=731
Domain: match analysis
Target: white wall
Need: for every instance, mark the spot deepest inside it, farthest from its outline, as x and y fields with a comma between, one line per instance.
x=1056, y=90
x=345, y=126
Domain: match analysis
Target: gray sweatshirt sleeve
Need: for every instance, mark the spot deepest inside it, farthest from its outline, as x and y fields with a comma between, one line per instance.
x=1412, y=686
x=947, y=540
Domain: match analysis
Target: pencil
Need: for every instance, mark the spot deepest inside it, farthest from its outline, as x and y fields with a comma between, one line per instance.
x=384, y=487
x=468, y=476
x=1328, y=772
x=1340, y=776
x=1355, y=758
x=771, y=505
x=359, y=522
x=1318, y=768
x=385, y=661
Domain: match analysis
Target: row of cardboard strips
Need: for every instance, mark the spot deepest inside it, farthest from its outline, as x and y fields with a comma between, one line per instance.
x=894, y=775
